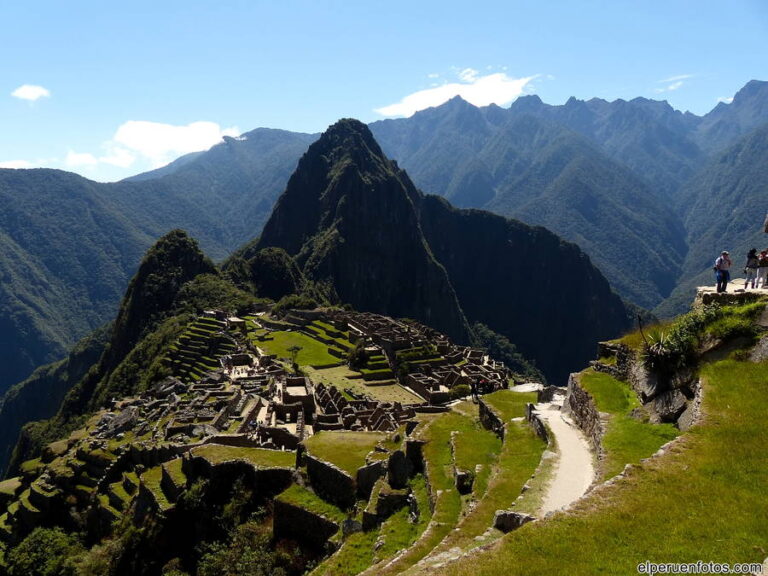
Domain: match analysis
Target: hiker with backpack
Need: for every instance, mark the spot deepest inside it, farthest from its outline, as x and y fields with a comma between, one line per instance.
x=750, y=269
x=722, y=270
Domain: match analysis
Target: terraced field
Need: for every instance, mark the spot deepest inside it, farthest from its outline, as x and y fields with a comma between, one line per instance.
x=198, y=349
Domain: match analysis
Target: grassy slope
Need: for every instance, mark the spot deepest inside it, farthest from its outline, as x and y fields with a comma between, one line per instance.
x=313, y=352
x=345, y=449
x=217, y=453
x=626, y=439
x=703, y=500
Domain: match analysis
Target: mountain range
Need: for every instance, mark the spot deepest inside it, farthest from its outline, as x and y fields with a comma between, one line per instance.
x=637, y=185
x=349, y=229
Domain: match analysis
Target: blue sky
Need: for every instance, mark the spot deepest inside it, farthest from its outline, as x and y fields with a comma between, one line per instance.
x=109, y=89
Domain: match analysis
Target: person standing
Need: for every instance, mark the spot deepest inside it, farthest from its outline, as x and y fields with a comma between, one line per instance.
x=723, y=270
x=762, y=268
x=750, y=268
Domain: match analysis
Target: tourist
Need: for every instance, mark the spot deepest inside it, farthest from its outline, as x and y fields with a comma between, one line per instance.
x=473, y=385
x=750, y=269
x=762, y=269
x=722, y=270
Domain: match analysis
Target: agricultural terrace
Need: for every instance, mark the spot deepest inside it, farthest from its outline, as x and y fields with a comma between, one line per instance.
x=343, y=448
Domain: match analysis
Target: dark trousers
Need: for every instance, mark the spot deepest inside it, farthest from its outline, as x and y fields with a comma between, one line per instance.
x=723, y=276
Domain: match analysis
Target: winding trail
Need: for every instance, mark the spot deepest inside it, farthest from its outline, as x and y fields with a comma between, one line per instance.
x=574, y=471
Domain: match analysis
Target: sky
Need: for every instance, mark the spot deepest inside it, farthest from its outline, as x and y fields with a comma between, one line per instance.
x=112, y=89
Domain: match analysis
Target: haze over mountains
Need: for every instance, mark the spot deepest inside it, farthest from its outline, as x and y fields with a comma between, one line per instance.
x=640, y=187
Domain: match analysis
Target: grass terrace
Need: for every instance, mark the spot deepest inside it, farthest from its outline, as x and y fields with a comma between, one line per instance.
x=448, y=501
x=261, y=457
x=627, y=439
x=10, y=486
x=197, y=350
x=509, y=404
x=302, y=497
x=345, y=449
x=312, y=353
x=151, y=479
x=341, y=377
x=702, y=500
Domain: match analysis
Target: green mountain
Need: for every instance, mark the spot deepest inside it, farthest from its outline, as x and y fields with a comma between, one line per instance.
x=174, y=281
x=360, y=230
x=349, y=217
x=68, y=246
x=726, y=123
x=601, y=174
x=725, y=207
x=542, y=173
x=502, y=272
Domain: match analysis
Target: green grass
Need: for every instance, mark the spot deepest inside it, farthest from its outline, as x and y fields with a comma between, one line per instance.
x=626, y=440
x=508, y=404
x=151, y=479
x=120, y=492
x=340, y=377
x=610, y=395
x=10, y=486
x=519, y=457
x=345, y=449
x=312, y=353
x=31, y=466
x=736, y=321
x=354, y=556
x=448, y=503
x=304, y=498
x=397, y=532
x=174, y=471
x=703, y=500
x=217, y=453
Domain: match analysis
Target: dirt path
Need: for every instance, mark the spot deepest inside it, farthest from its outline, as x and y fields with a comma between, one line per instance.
x=574, y=471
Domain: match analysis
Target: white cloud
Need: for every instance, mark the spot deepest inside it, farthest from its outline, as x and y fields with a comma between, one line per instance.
x=30, y=92
x=672, y=83
x=117, y=156
x=433, y=75
x=675, y=78
x=671, y=88
x=80, y=159
x=16, y=164
x=725, y=99
x=160, y=143
x=479, y=90
x=468, y=75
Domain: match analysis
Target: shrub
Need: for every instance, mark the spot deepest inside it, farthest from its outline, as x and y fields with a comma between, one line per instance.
x=460, y=391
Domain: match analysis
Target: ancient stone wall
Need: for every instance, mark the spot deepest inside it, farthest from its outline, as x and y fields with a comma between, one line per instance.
x=367, y=476
x=266, y=482
x=536, y=423
x=298, y=524
x=581, y=408
x=490, y=420
x=330, y=482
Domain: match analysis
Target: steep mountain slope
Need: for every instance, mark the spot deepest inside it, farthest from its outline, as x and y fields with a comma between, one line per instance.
x=475, y=157
x=349, y=217
x=64, y=261
x=536, y=170
x=502, y=271
x=728, y=122
x=174, y=281
x=727, y=209
x=647, y=136
x=69, y=245
x=359, y=228
x=39, y=396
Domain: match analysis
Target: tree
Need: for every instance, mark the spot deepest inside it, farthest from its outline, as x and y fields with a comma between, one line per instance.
x=45, y=552
x=294, y=352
